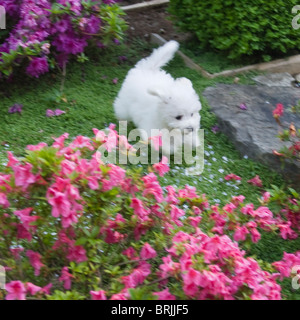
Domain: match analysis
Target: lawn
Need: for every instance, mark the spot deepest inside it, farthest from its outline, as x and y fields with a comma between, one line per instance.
x=87, y=97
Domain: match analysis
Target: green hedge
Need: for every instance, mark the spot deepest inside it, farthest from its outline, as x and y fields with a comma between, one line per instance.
x=239, y=27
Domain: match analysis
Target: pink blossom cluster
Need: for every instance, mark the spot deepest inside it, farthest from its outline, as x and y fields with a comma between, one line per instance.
x=71, y=223
x=215, y=268
x=42, y=30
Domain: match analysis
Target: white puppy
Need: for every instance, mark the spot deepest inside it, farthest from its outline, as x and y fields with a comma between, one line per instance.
x=152, y=99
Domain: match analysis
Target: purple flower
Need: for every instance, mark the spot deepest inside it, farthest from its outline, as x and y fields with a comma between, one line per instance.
x=122, y=58
x=243, y=106
x=62, y=25
x=37, y=66
x=93, y=25
x=115, y=80
x=215, y=129
x=51, y=113
x=59, y=112
x=15, y=108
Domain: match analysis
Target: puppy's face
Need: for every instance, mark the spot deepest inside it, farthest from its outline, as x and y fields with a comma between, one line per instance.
x=179, y=106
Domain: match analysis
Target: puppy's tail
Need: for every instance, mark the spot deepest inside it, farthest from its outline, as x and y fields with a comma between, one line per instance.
x=159, y=57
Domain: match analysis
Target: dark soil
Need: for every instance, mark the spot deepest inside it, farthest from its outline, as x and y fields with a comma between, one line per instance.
x=154, y=20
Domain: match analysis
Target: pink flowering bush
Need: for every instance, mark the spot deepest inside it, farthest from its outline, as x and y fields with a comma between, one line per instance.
x=290, y=134
x=44, y=33
x=75, y=227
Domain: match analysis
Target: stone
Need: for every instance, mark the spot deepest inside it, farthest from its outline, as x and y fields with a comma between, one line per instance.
x=275, y=79
x=297, y=77
x=254, y=130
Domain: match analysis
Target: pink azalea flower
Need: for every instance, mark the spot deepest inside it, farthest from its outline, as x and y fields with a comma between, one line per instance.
x=147, y=252
x=16, y=291
x=23, y=175
x=119, y=296
x=32, y=289
x=232, y=176
x=138, y=208
x=255, y=235
x=164, y=295
x=36, y=147
x=46, y=289
x=59, y=142
x=66, y=278
x=162, y=168
x=229, y=207
x=16, y=252
x=266, y=196
x=3, y=200
x=59, y=202
x=194, y=221
x=263, y=212
x=278, y=112
x=256, y=181
x=35, y=261
x=152, y=187
x=77, y=254
x=98, y=295
x=176, y=213
x=25, y=217
x=81, y=142
x=130, y=253
x=172, y=196
x=156, y=141
x=240, y=233
x=12, y=161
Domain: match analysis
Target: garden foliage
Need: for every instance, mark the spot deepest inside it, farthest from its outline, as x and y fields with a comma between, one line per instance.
x=75, y=227
x=239, y=27
x=43, y=33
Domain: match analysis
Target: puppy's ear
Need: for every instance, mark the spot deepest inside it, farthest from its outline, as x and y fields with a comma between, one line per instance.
x=184, y=81
x=157, y=92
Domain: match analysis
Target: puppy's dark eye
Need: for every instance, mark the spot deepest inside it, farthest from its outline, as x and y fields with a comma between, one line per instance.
x=192, y=114
x=178, y=117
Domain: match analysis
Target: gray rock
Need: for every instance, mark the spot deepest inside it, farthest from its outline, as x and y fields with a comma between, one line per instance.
x=297, y=77
x=254, y=130
x=275, y=79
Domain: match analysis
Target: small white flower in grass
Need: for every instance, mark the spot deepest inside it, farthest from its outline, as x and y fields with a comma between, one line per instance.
x=221, y=179
x=209, y=146
x=211, y=176
x=221, y=170
x=212, y=152
x=214, y=159
x=225, y=159
x=208, y=163
x=207, y=153
x=224, y=193
x=217, y=200
x=245, y=156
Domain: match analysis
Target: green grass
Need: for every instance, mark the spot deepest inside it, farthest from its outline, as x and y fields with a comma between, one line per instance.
x=90, y=92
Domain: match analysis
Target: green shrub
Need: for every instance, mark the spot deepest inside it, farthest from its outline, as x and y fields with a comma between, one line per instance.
x=239, y=27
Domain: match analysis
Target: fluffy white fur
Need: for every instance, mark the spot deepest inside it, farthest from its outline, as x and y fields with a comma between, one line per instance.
x=152, y=99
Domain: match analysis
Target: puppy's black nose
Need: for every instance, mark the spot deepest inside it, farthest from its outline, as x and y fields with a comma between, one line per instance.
x=190, y=128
